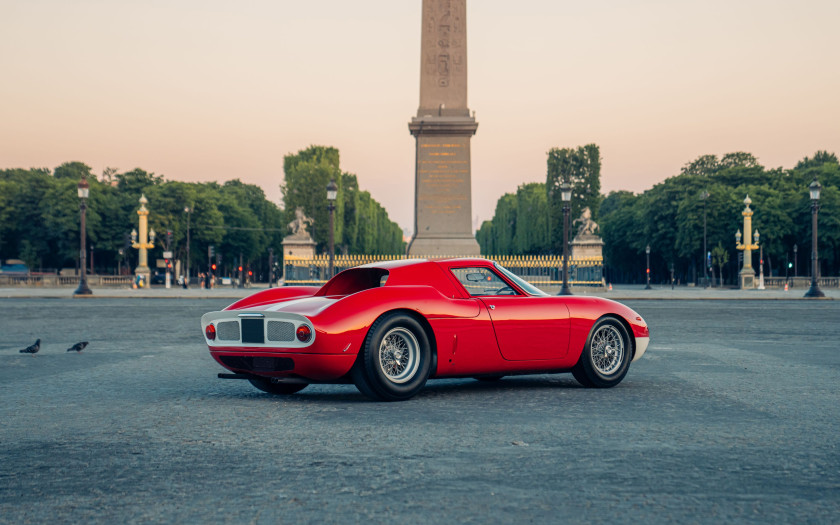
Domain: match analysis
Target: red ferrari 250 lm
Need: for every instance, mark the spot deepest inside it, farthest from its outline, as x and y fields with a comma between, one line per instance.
x=388, y=327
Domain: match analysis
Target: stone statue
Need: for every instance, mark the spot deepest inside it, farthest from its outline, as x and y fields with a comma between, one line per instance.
x=298, y=226
x=587, y=225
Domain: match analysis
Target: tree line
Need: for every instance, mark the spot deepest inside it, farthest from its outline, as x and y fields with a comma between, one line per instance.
x=669, y=216
x=39, y=216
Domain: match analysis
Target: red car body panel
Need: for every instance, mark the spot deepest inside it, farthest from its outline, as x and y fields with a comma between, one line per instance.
x=470, y=335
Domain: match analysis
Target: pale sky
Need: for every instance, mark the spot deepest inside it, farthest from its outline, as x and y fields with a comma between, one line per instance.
x=210, y=90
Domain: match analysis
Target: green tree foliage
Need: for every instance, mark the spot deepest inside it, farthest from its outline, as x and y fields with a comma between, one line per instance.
x=39, y=217
x=582, y=168
x=520, y=224
x=669, y=216
x=361, y=224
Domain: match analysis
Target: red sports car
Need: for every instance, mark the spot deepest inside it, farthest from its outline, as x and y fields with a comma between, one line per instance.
x=389, y=327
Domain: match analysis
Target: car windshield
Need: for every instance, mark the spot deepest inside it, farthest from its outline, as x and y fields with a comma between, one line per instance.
x=529, y=288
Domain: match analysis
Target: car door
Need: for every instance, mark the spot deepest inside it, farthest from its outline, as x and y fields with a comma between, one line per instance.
x=526, y=327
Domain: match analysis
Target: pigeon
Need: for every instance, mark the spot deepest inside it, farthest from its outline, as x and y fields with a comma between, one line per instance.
x=32, y=349
x=78, y=347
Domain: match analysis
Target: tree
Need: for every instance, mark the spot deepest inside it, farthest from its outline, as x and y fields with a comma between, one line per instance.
x=581, y=167
x=720, y=256
x=361, y=224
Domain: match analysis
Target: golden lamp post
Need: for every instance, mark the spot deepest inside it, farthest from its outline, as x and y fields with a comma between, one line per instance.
x=145, y=243
x=747, y=274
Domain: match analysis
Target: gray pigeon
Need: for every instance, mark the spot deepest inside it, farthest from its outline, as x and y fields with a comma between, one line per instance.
x=32, y=349
x=78, y=347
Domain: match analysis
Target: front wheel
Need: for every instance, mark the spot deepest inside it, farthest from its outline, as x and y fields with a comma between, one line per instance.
x=395, y=359
x=606, y=357
x=266, y=385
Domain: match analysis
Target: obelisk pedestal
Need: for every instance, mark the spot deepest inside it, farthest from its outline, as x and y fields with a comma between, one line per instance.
x=442, y=129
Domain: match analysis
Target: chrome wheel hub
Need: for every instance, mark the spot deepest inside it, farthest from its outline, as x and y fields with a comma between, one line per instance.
x=607, y=350
x=399, y=355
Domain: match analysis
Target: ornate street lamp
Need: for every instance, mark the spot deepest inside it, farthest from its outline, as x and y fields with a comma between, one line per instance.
x=814, y=290
x=704, y=196
x=84, y=192
x=746, y=277
x=760, y=263
x=332, y=195
x=145, y=242
x=647, y=271
x=188, y=211
x=566, y=196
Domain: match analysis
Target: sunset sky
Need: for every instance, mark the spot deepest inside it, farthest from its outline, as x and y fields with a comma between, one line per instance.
x=209, y=90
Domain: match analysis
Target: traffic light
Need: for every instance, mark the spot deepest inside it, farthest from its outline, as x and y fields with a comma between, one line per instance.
x=213, y=267
x=210, y=251
x=240, y=268
x=790, y=265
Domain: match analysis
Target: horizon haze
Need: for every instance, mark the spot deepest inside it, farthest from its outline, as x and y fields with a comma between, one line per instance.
x=202, y=91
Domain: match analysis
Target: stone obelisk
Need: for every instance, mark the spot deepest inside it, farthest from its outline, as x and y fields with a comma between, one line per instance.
x=442, y=128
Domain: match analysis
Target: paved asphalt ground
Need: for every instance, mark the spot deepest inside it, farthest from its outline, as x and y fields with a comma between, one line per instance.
x=732, y=416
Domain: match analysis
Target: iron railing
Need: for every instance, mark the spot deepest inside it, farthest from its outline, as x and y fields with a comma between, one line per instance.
x=539, y=270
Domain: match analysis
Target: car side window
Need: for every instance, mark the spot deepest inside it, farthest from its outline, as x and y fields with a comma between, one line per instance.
x=482, y=281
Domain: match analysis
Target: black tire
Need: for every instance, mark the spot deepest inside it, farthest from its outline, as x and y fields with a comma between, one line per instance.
x=580, y=375
x=277, y=388
x=606, y=357
x=395, y=359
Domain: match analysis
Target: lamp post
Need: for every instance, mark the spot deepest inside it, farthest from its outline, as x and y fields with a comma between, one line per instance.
x=144, y=243
x=188, y=211
x=332, y=194
x=747, y=274
x=814, y=290
x=84, y=192
x=760, y=264
x=271, y=267
x=795, y=260
x=566, y=196
x=704, y=196
x=672, y=276
x=647, y=271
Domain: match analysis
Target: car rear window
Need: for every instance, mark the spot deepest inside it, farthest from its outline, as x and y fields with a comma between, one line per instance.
x=354, y=280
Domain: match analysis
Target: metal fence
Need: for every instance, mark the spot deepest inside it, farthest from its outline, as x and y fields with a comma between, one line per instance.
x=539, y=270
x=51, y=281
x=800, y=282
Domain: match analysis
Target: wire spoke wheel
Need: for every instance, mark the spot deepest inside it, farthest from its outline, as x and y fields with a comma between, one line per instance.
x=399, y=355
x=395, y=360
x=607, y=350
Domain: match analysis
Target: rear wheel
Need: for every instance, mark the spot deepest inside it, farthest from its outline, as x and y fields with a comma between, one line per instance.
x=395, y=359
x=266, y=385
x=606, y=357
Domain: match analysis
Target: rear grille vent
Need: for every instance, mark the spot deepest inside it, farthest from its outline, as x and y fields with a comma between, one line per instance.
x=281, y=331
x=228, y=331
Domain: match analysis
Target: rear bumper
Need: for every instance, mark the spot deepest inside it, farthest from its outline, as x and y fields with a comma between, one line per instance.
x=317, y=367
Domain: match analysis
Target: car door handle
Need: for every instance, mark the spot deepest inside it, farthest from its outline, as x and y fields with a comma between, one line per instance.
x=490, y=306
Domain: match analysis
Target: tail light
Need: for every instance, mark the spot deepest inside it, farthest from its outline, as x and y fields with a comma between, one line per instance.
x=303, y=333
x=210, y=332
